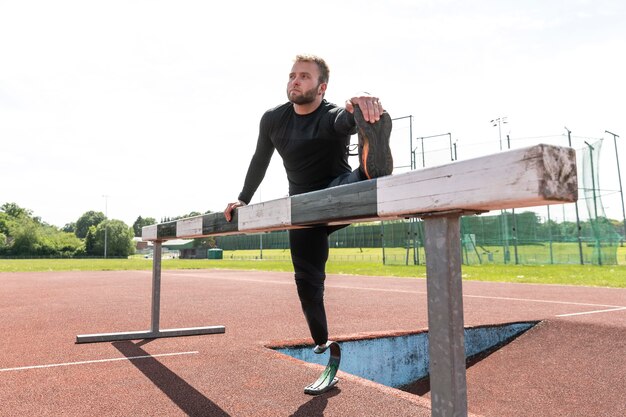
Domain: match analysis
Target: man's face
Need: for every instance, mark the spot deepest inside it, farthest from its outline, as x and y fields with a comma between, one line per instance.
x=303, y=86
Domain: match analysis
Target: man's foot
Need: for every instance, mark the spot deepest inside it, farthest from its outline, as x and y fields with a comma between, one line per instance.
x=374, y=152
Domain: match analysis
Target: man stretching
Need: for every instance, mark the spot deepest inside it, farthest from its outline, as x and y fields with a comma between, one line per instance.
x=312, y=137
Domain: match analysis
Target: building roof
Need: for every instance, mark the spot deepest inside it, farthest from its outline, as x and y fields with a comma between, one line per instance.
x=178, y=244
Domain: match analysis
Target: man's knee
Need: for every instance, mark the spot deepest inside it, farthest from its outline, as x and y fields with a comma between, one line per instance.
x=310, y=289
x=348, y=178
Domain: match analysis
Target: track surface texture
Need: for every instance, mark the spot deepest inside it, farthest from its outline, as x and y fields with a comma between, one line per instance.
x=571, y=364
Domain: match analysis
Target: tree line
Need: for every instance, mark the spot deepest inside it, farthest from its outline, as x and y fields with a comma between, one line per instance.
x=24, y=235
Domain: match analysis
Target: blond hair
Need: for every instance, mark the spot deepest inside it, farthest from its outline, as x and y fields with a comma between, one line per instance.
x=321, y=65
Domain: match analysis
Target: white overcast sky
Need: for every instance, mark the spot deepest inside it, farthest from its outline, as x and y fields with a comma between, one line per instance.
x=156, y=104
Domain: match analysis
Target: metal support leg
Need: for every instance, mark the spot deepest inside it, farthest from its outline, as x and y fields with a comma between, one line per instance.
x=448, y=385
x=156, y=286
x=154, y=331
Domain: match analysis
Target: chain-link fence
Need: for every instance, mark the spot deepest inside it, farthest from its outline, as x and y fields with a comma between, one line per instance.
x=575, y=233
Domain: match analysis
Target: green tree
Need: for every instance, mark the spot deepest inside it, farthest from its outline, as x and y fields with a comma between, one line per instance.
x=58, y=243
x=69, y=228
x=140, y=223
x=26, y=238
x=119, y=239
x=23, y=235
x=205, y=242
x=5, y=220
x=32, y=238
x=15, y=211
x=568, y=231
x=90, y=242
x=90, y=218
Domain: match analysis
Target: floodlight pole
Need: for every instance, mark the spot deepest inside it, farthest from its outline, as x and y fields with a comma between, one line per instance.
x=498, y=122
x=580, y=243
x=619, y=177
x=106, y=226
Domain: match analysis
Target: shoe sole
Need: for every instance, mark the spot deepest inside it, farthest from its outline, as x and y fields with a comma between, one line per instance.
x=375, y=158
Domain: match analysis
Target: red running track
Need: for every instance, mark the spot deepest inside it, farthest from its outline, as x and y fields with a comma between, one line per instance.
x=572, y=364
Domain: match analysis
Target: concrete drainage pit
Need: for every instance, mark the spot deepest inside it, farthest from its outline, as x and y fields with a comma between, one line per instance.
x=401, y=361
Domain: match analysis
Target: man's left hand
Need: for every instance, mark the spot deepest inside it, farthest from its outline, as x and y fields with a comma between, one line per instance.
x=369, y=105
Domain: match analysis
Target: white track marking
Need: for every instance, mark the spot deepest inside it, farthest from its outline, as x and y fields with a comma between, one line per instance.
x=571, y=303
x=347, y=287
x=483, y=296
x=54, y=365
x=591, y=312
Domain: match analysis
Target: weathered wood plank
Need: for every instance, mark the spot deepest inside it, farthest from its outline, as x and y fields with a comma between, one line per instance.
x=337, y=204
x=190, y=227
x=216, y=224
x=269, y=215
x=539, y=175
x=533, y=176
x=167, y=231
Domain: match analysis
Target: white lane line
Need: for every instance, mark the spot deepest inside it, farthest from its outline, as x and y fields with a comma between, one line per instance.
x=347, y=287
x=53, y=365
x=481, y=296
x=571, y=303
x=591, y=312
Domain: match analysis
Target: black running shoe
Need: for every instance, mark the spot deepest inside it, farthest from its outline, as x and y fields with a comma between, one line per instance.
x=374, y=152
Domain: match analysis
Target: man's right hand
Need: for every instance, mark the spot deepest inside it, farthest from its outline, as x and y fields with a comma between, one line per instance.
x=228, y=211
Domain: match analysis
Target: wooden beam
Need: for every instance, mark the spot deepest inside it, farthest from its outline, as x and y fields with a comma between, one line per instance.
x=533, y=176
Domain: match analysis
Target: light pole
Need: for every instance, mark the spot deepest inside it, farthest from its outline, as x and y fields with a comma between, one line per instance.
x=619, y=177
x=580, y=243
x=413, y=162
x=499, y=122
x=106, y=219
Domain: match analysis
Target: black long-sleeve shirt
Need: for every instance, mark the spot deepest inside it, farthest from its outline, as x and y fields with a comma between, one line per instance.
x=314, y=147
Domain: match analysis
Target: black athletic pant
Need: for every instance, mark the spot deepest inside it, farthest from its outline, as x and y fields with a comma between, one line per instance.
x=309, y=253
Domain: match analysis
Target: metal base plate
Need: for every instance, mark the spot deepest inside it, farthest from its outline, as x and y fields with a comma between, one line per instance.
x=113, y=337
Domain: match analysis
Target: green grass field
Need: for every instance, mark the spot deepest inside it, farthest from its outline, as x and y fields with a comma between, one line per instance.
x=342, y=261
x=558, y=253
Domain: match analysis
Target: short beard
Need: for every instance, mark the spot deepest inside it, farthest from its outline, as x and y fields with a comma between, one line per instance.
x=305, y=98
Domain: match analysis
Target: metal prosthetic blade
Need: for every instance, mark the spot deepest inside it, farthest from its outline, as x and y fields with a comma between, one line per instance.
x=327, y=379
